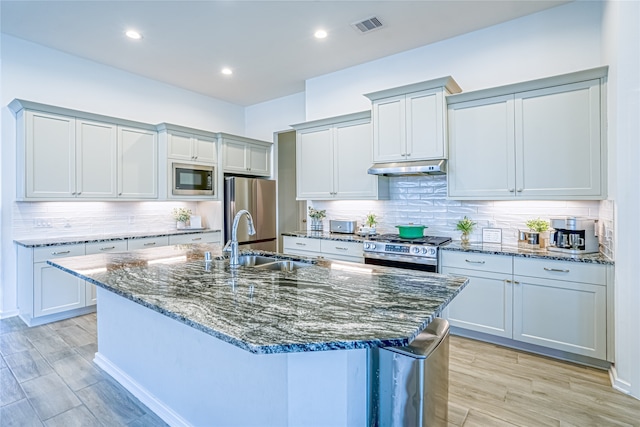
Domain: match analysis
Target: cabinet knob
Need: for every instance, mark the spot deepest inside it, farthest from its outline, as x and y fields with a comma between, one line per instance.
x=519, y=190
x=79, y=193
x=408, y=154
x=511, y=190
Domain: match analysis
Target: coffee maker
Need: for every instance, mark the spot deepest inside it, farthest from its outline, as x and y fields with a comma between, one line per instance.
x=573, y=235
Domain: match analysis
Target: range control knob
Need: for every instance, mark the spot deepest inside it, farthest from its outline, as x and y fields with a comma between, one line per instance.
x=415, y=250
x=369, y=245
x=432, y=251
x=425, y=251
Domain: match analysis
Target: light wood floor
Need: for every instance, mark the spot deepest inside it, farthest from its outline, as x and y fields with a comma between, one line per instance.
x=496, y=386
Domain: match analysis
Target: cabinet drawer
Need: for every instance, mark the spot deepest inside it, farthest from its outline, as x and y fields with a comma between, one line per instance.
x=477, y=261
x=561, y=270
x=336, y=247
x=103, y=247
x=301, y=244
x=147, y=242
x=181, y=239
x=51, y=252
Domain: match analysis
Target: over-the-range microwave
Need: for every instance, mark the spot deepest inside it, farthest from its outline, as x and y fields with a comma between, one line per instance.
x=193, y=179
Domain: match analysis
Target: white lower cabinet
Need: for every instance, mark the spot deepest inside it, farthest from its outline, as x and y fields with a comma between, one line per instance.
x=100, y=248
x=326, y=248
x=554, y=304
x=210, y=237
x=147, y=242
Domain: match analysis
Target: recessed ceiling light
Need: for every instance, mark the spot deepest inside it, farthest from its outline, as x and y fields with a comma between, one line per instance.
x=132, y=34
x=320, y=34
x=227, y=71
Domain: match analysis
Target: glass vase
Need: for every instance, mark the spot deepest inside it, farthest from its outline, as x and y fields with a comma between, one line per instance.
x=316, y=224
x=464, y=238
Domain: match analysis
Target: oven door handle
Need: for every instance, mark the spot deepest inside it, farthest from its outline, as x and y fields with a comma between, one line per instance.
x=401, y=258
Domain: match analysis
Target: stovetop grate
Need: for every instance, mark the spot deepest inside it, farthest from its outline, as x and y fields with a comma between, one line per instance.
x=424, y=240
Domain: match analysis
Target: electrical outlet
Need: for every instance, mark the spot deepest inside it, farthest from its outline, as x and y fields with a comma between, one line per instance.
x=42, y=223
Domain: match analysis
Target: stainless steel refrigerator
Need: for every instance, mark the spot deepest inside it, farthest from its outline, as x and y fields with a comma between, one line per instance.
x=258, y=196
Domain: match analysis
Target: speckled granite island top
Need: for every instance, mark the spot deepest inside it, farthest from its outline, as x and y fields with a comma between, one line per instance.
x=326, y=305
x=496, y=249
x=71, y=240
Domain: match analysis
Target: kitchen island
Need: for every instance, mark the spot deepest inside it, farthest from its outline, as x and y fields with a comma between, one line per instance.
x=203, y=344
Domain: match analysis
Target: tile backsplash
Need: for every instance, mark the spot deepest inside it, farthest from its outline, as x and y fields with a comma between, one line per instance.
x=422, y=200
x=58, y=219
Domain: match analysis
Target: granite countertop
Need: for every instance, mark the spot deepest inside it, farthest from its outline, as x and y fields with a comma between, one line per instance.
x=71, y=240
x=325, y=235
x=326, y=305
x=497, y=249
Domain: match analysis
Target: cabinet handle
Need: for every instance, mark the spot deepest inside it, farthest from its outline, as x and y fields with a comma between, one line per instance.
x=519, y=190
x=512, y=282
x=408, y=154
x=474, y=262
x=60, y=253
x=150, y=244
x=196, y=238
x=342, y=249
x=511, y=190
x=301, y=244
x=73, y=194
x=107, y=249
x=79, y=193
x=120, y=193
x=557, y=270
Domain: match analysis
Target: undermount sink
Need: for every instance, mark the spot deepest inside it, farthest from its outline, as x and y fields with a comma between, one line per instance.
x=269, y=263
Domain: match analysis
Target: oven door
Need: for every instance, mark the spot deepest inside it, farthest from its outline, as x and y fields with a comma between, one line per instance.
x=192, y=180
x=402, y=261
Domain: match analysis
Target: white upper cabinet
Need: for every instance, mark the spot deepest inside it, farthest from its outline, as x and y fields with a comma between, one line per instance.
x=66, y=155
x=332, y=158
x=191, y=147
x=543, y=139
x=96, y=158
x=409, y=121
x=137, y=163
x=245, y=156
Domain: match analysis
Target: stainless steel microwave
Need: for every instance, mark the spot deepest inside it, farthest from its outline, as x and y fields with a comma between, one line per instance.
x=193, y=180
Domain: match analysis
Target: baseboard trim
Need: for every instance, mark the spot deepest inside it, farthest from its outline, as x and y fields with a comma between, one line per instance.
x=618, y=384
x=56, y=317
x=141, y=393
x=8, y=314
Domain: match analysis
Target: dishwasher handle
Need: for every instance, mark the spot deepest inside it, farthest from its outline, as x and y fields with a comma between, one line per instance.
x=427, y=341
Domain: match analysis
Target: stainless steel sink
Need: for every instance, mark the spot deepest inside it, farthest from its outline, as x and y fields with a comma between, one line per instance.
x=269, y=263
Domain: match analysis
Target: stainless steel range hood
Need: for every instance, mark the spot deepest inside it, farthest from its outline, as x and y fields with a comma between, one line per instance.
x=424, y=167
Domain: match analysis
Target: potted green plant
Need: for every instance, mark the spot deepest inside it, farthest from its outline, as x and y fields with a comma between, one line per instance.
x=540, y=229
x=465, y=225
x=371, y=220
x=316, y=216
x=181, y=215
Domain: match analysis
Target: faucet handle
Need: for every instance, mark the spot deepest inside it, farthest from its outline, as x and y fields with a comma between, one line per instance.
x=227, y=246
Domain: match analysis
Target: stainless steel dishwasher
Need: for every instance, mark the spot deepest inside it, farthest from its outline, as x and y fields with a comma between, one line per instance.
x=414, y=380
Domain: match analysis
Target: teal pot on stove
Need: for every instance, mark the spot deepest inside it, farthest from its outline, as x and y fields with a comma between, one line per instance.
x=410, y=231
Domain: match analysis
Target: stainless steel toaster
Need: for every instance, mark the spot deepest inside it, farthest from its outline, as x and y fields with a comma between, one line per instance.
x=342, y=226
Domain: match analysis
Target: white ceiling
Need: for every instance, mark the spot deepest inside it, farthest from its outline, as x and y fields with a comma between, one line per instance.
x=269, y=44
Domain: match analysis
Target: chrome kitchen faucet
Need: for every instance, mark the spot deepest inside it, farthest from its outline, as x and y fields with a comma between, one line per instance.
x=232, y=245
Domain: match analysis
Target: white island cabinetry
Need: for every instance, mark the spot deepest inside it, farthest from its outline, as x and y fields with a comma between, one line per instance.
x=327, y=248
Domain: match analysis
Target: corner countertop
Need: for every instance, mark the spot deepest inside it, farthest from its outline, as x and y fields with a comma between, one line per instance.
x=497, y=249
x=72, y=240
x=326, y=305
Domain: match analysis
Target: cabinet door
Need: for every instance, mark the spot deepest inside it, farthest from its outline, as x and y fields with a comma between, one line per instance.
x=137, y=163
x=55, y=291
x=558, y=144
x=259, y=159
x=49, y=155
x=484, y=305
x=425, y=125
x=234, y=157
x=352, y=157
x=389, y=130
x=179, y=146
x=204, y=149
x=301, y=246
x=96, y=158
x=563, y=315
x=314, y=164
x=481, y=149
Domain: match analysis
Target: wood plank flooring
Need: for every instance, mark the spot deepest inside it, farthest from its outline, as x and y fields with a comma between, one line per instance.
x=491, y=385
x=47, y=378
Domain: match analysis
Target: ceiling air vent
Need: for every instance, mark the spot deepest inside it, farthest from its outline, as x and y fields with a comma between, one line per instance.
x=367, y=25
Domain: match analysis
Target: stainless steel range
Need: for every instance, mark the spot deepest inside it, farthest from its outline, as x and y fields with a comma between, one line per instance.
x=417, y=254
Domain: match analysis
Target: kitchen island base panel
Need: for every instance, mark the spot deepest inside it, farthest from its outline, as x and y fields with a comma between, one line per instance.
x=190, y=378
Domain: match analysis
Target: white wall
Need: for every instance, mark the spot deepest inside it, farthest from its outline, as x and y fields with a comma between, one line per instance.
x=266, y=118
x=556, y=41
x=621, y=35
x=36, y=73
